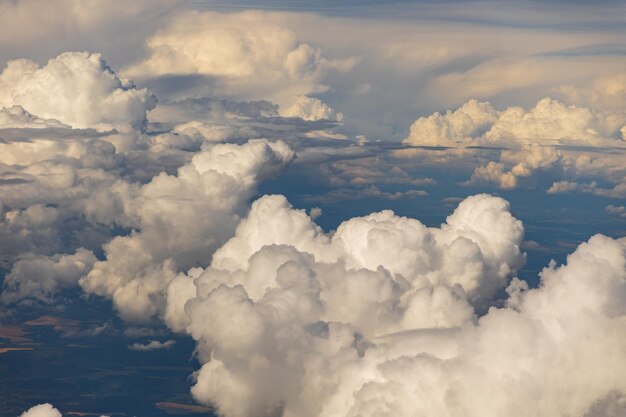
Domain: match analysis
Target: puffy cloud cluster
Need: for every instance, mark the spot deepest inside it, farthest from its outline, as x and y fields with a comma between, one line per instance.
x=379, y=319
x=311, y=109
x=523, y=163
x=41, y=410
x=454, y=128
x=249, y=54
x=40, y=276
x=550, y=122
x=282, y=299
x=573, y=141
x=152, y=345
x=77, y=89
x=179, y=220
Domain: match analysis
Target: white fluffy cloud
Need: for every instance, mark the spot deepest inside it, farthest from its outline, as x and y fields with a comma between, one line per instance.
x=282, y=296
x=457, y=127
x=550, y=122
x=246, y=54
x=550, y=136
x=180, y=219
x=41, y=276
x=517, y=164
x=311, y=109
x=377, y=319
x=41, y=410
x=78, y=89
x=152, y=345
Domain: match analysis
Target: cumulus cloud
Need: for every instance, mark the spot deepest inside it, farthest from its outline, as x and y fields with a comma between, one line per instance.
x=41, y=410
x=78, y=89
x=565, y=187
x=552, y=137
x=248, y=54
x=309, y=108
x=616, y=210
x=152, y=345
x=550, y=122
x=523, y=163
x=607, y=93
x=196, y=210
x=379, y=319
x=284, y=298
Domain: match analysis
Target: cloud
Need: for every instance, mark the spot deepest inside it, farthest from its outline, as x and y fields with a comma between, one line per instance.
x=616, y=210
x=564, y=187
x=472, y=119
x=78, y=89
x=552, y=138
x=293, y=293
x=550, y=122
x=523, y=163
x=42, y=410
x=248, y=54
x=311, y=109
x=197, y=210
x=41, y=276
x=152, y=345
x=377, y=319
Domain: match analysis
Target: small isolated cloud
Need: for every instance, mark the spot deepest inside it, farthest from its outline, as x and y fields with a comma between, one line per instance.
x=564, y=141
x=41, y=410
x=616, y=210
x=382, y=312
x=564, y=187
x=152, y=345
x=517, y=164
x=311, y=109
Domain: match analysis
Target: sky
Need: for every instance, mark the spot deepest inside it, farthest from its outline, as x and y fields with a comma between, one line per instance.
x=313, y=209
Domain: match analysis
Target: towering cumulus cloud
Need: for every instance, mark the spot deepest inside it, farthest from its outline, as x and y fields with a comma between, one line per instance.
x=378, y=319
x=249, y=54
x=78, y=89
x=289, y=319
x=543, y=138
x=180, y=220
